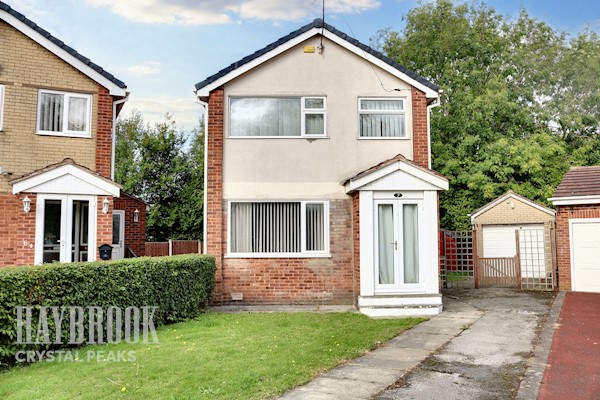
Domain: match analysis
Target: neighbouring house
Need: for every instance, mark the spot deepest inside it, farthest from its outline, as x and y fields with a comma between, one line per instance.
x=494, y=227
x=318, y=181
x=577, y=201
x=57, y=114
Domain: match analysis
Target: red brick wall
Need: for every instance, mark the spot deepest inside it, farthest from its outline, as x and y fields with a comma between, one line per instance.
x=563, y=238
x=104, y=132
x=17, y=230
x=135, y=232
x=420, y=142
x=299, y=280
x=356, y=243
x=103, y=224
x=214, y=186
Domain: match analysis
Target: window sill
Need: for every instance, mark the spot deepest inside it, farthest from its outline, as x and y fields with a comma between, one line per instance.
x=278, y=137
x=276, y=255
x=383, y=138
x=67, y=135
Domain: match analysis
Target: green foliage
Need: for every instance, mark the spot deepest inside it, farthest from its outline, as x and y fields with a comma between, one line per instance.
x=519, y=103
x=178, y=286
x=159, y=165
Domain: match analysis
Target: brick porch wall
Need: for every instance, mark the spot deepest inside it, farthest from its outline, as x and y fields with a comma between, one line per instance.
x=103, y=224
x=563, y=238
x=17, y=230
x=420, y=140
x=356, y=244
x=135, y=232
x=298, y=280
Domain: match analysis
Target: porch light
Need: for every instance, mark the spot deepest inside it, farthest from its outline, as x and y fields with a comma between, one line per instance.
x=26, y=204
x=105, y=205
x=136, y=215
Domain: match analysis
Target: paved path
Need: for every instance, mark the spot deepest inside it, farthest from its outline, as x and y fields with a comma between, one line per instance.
x=573, y=370
x=365, y=377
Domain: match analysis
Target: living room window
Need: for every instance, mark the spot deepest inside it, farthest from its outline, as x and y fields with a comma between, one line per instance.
x=277, y=117
x=64, y=114
x=295, y=228
x=382, y=118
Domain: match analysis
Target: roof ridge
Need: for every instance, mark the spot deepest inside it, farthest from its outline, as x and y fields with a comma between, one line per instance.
x=8, y=9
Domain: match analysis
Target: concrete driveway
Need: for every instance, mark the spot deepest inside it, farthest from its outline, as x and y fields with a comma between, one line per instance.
x=489, y=359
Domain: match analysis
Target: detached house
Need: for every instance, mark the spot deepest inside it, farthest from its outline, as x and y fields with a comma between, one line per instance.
x=318, y=183
x=57, y=115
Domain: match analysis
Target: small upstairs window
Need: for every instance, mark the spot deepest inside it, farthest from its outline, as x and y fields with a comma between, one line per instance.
x=277, y=117
x=64, y=114
x=382, y=118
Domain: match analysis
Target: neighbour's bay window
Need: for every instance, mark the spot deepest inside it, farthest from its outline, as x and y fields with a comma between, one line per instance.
x=382, y=118
x=64, y=114
x=279, y=228
x=277, y=116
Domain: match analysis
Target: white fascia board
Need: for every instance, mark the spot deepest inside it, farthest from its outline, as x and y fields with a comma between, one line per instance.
x=515, y=197
x=205, y=91
x=62, y=54
x=575, y=200
x=428, y=177
x=109, y=188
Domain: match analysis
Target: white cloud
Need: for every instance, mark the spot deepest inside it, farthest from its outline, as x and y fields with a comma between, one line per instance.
x=213, y=12
x=186, y=112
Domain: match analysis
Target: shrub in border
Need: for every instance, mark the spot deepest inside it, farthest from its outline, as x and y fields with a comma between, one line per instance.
x=178, y=286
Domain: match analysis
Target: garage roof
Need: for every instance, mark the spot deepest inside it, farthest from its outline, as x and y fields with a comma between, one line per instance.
x=580, y=181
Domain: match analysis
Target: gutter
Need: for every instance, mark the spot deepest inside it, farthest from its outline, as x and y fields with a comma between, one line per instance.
x=205, y=180
x=114, y=135
x=434, y=104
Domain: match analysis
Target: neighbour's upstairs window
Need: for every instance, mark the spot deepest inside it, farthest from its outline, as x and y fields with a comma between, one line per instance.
x=277, y=117
x=64, y=114
x=1, y=107
x=382, y=118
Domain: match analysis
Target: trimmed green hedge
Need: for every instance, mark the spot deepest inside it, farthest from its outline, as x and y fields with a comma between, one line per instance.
x=179, y=286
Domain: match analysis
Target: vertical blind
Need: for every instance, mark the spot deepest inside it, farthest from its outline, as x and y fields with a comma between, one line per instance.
x=382, y=118
x=276, y=227
x=51, y=112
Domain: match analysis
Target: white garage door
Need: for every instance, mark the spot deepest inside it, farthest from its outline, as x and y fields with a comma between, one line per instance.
x=585, y=248
x=499, y=241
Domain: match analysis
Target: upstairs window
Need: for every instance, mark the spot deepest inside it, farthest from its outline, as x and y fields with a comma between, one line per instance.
x=64, y=114
x=1, y=107
x=279, y=228
x=382, y=118
x=277, y=117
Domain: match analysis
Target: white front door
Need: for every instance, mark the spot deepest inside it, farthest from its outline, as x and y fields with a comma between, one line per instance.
x=118, y=234
x=65, y=228
x=585, y=253
x=397, y=249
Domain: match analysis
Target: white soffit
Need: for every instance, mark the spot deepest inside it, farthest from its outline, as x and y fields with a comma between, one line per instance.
x=575, y=200
x=67, y=179
x=205, y=91
x=398, y=176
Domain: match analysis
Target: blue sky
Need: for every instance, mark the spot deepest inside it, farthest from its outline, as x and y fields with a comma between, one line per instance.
x=161, y=48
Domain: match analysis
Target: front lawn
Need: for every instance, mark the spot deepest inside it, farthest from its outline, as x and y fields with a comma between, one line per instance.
x=217, y=356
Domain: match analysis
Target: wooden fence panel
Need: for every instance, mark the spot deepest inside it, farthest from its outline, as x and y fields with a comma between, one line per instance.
x=174, y=247
x=186, y=247
x=498, y=271
x=157, y=249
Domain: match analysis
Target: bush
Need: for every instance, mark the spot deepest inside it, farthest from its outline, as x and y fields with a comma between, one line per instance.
x=179, y=286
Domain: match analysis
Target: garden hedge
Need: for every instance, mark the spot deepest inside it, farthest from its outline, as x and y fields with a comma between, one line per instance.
x=179, y=286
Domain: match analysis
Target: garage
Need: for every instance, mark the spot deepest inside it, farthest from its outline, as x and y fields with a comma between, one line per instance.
x=500, y=241
x=577, y=201
x=585, y=246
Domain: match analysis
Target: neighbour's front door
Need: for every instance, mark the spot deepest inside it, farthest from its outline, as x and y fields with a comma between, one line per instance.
x=397, y=247
x=118, y=234
x=65, y=228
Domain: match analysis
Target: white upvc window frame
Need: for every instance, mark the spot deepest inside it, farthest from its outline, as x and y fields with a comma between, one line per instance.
x=325, y=253
x=303, y=112
x=1, y=108
x=395, y=112
x=65, y=132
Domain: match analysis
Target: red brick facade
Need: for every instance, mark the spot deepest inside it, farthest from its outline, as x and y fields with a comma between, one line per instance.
x=104, y=132
x=17, y=230
x=135, y=232
x=420, y=137
x=563, y=238
x=356, y=244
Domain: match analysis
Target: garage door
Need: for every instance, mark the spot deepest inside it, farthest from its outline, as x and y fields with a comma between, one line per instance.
x=585, y=247
x=499, y=241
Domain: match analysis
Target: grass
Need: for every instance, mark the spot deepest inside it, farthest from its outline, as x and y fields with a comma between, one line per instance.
x=217, y=356
x=458, y=275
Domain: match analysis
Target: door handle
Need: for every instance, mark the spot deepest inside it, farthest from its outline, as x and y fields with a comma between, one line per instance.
x=395, y=243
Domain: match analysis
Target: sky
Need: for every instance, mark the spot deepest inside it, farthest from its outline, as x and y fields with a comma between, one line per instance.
x=161, y=48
